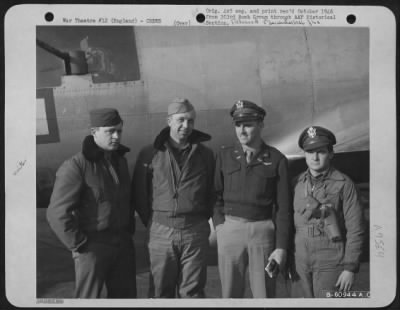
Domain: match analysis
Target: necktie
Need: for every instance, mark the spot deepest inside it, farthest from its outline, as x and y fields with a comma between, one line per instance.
x=249, y=156
x=112, y=171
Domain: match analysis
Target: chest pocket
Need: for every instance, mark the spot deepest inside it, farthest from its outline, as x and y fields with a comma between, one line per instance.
x=335, y=199
x=263, y=179
x=232, y=177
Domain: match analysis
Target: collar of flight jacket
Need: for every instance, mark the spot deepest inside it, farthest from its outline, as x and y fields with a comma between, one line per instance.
x=93, y=152
x=330, y=174
x=262, y=157
x=195, y=137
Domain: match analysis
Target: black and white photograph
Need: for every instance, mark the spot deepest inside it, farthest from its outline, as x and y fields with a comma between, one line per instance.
x=224, y=163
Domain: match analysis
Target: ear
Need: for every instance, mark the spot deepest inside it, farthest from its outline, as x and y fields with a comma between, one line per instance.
x=93, y=130
x=169, y=118
x=261, y=124
x=331, y=155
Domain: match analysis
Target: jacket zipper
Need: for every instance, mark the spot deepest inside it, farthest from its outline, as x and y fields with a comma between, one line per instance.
x=176, y=181
x=174, y=185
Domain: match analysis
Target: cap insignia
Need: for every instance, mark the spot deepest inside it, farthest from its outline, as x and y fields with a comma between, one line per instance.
x=311, y=132
x=239, y=104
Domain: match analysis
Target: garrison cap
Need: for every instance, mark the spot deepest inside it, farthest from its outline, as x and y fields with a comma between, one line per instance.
x=315, y=137
x=104, y=117
x=244, y=110
x=180, y=105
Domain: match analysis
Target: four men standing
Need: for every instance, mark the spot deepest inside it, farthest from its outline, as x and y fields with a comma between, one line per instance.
x=177, y=186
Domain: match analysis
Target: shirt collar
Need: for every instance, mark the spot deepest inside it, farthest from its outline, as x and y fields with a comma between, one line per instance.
x=187, y=147
x=261, y=155
x=330, y=174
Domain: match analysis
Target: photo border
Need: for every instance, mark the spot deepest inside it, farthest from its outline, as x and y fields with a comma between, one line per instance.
x=383, y=230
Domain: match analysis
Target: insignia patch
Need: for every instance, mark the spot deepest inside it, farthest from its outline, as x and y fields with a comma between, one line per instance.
x=264, y=162
x=239, y=104
x=311, y=132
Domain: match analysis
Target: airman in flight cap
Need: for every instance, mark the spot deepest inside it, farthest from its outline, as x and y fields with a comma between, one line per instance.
x=173, y=195
x=91, y=214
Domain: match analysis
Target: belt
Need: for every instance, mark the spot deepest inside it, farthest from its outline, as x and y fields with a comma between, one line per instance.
x=311, y=231
x=109, y=233
x=242, y=219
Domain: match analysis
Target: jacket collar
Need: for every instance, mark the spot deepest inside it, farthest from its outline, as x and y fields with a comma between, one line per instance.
x=92, y=152
x=195, y=138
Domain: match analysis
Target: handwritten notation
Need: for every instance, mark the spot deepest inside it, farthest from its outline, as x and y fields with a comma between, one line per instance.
x=379, y=241
x=20, y=165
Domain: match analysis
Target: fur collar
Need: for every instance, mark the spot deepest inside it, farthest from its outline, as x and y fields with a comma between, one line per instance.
x=196, y=137
x=93, y=153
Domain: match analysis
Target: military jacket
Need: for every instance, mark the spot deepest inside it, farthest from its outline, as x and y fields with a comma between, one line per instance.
x=339, y=191
x=257, y=190
x=178, y=201
x=87, y=199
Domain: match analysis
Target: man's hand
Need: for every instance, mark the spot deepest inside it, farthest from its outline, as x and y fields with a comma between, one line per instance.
x=345, y=281
x=212, y=238
x=219, y=226
x=280, y=257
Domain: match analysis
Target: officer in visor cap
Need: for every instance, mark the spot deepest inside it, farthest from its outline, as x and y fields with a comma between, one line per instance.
x=315, y=137
x=247, y=110
x=251, y=179
x=328, y=221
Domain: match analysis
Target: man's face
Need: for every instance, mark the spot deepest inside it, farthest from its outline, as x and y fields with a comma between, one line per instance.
x=181, y=125
x=318, y=160
x=248, y=132
x=108, y=138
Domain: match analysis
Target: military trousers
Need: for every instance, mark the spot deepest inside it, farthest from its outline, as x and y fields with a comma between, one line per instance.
x=178, y=260
x=245, y=244
x=107, y=259
x=318, y=263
